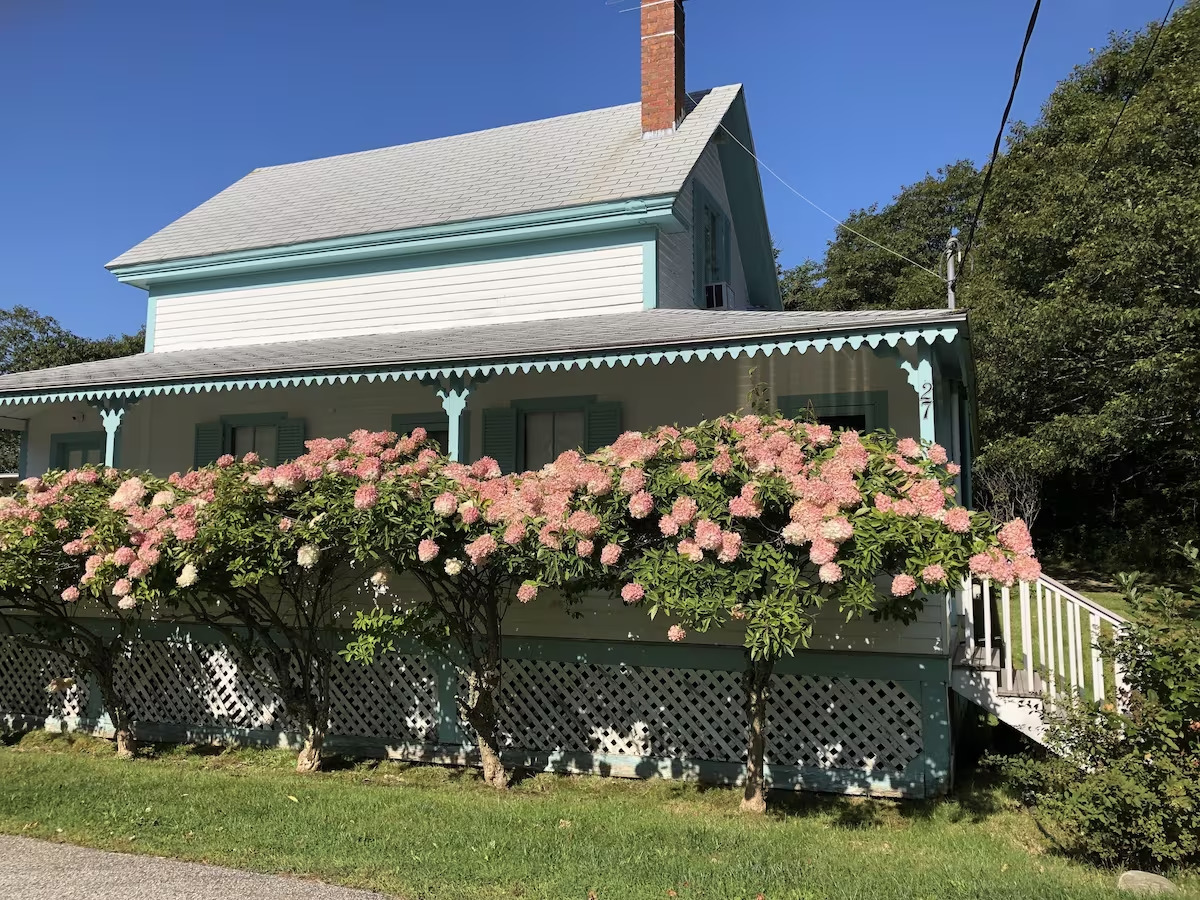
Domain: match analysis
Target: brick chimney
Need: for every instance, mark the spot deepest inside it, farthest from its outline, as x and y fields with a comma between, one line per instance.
x=663, y=93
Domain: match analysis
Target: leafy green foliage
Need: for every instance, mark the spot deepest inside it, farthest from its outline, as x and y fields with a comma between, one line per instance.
x=1084, y=292
x=1125, y=787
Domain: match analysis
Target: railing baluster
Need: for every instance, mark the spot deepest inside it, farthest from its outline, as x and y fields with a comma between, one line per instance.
x=1026, y=632
x=1072, y=639
x=1097, y=660
x=1058, y=640
x=987, y=620
x=1007, y=638
x=968, y=608
x=1079, y=645
x=1041, y=608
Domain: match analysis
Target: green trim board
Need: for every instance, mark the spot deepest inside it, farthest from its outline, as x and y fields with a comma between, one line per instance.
x=877, y=340
x=657, y=212
x=427, y=261
x=23, y=455
x=650, y=285
x=62, y=444
x=872, y=405
x=151, y=322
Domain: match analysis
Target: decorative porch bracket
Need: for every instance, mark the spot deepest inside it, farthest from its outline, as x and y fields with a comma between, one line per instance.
x=920, y=376
x=454, y=391
x=112, y=412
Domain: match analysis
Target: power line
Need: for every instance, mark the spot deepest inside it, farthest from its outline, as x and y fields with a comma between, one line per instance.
x=987, y=176
x=831, y=217
x=1137, y=82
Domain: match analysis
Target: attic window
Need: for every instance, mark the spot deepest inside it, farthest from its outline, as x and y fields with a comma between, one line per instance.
x=712, y=249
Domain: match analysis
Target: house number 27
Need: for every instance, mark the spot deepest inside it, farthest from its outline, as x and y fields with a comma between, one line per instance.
x=926, y=400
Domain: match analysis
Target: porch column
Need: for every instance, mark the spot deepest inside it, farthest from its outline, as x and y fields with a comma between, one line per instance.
x=920, y=376
x=112, y=412
x=454, y=392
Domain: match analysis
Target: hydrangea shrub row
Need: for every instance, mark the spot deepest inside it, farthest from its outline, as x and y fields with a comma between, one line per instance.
x=752, y=521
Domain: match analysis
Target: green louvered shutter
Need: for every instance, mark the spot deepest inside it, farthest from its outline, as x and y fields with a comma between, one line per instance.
x=209, y=437
x=500, y=436
x=603, y=424
x=291, y=439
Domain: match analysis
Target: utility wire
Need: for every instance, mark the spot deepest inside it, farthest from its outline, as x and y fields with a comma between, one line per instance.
x=987, y=176
x=829, y=216
x=1137, y=82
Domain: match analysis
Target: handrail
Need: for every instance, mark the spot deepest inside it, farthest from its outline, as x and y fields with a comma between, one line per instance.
x=1050, y=647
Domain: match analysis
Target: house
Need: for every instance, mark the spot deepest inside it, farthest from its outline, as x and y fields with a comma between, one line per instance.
x=518, y=292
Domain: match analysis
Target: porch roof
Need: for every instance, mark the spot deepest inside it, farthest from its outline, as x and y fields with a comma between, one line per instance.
x=481, y=350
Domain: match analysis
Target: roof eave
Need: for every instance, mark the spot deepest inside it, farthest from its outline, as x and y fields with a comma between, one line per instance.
x=633, y=212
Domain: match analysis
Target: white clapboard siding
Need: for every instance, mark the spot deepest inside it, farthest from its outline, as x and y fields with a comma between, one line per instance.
x=557, y=285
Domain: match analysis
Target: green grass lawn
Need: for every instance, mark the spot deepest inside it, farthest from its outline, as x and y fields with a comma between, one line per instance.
x=426, y=832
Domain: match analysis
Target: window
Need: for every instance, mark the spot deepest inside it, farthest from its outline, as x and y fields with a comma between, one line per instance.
x=436, y=425
x=712, y=248
x=273, y=436
x=527, y=434
x=70, y=451
x=854, y=410
x=261, y=439
x=550, y=433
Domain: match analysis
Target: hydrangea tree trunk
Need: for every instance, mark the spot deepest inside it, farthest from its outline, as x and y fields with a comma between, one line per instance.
x=102, y=664
x=756, y=682
x=480, y=703
x=307, y=702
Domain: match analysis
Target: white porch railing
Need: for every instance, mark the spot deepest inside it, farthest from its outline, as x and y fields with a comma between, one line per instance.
x=1048, y=646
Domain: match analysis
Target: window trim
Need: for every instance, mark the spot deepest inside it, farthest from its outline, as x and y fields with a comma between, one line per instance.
x=578, y=403
x=872, y=405
x=79, y=440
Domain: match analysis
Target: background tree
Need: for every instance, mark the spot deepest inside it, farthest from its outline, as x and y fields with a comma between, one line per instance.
x=1084, y=291
x=31, y=341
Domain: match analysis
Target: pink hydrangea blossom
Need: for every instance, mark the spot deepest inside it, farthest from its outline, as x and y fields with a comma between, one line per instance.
x=126, y=603
x=676, y=633
x=731, y=547
x=903, y=585
x=722, y=463
x=1026, y=568
x=795, y=534
x=366, y=496
x=633, y=480
x=883, y=503
x=122, y=587
x=61, y=524
x=428, y=550
x=71, y=594
x=687, y=448
x=837, y=530
x=830, y=573
x=485, y=467
x=1015, y=538
x=822, y=551
x=958, y=519
x=684, y=510
x=150, y=555
x=909, y=448
x=469, y=513
x=610, y=554
x=527, y=592
x=226, y=460
x=138, y=569
x=633, y=592
x=641, y=505
x=285, y=524
x=445, y=504
x=691, y=550
x=550, y=538
x=185, y=530
x=937, y=455
x=708, y=534
x=76, y=548
x=514, y=533
x=585, y=548
x=818, y=434
x=583, y=523
x=953, y=468
x=480, y=549
x=669, y=526
x=933, y=574
x=690, y=470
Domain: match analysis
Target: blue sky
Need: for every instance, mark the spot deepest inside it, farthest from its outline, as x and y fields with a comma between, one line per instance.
x=117, y=117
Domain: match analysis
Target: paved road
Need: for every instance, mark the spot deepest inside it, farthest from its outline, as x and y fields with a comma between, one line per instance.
x=37, y=870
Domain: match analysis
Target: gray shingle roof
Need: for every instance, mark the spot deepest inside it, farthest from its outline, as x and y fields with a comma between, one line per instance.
x=555, y=338
x=575, y=160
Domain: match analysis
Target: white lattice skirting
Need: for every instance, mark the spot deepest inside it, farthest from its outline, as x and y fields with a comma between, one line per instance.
x=826, y=731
